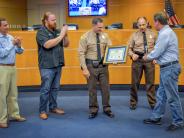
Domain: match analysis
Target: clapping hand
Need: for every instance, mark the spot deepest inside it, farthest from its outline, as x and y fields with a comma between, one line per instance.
x=64, y=30
x=17, y=41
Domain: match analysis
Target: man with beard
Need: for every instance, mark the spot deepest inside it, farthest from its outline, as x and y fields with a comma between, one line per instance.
x=51, y=59
x=142, y=42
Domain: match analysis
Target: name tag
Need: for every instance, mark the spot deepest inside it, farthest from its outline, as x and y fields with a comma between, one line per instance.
x=50, y=34
x=103, y=36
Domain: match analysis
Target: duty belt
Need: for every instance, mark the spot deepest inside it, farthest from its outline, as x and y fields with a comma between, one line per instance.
x=95, y=63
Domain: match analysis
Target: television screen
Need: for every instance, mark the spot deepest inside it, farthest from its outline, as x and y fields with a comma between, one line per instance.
x=87, y=7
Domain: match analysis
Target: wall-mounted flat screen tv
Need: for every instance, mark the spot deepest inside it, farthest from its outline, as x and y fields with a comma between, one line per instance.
x=87, y=7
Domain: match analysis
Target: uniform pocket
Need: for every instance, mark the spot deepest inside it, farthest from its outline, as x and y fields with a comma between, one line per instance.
x=151, y=43
x=92, y=47
x=139, y=43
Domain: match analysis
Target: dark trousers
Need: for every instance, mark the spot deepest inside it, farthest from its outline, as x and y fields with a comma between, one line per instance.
x=137, y=71
x=101, y=75
x=50, y=84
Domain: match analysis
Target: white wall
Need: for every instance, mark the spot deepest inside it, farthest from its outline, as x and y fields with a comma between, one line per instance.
x=36, y=8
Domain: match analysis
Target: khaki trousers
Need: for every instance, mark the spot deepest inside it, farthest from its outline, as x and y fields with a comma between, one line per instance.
x=8, y=93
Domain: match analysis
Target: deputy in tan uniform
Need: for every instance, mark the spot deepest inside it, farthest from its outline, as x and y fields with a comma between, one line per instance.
x=141, y=43
x=91, y=52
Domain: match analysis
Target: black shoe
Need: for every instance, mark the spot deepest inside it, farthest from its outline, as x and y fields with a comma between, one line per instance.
x=109, y=114
x=154, y=122
x=173, y=127
x=133, y=107
x=92, y=115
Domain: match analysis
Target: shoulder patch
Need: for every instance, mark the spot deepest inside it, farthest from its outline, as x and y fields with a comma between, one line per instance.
x=82, y=37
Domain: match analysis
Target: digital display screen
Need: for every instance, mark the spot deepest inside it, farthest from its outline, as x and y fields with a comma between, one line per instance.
x=87, y=7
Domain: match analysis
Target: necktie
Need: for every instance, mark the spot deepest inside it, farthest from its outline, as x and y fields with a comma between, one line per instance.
x=98, y=47
x=145, y=42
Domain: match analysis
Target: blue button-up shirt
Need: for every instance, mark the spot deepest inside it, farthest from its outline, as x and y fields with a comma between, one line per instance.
x=8, y=50
x=166, y=47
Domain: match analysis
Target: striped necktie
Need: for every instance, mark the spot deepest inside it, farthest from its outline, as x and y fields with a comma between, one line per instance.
x=98, y=47
x=145, y=42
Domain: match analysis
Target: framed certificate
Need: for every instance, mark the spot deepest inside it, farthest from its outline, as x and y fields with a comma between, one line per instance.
x=115, y=54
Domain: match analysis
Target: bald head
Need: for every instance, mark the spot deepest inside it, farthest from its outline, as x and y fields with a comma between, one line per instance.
x=142, y=23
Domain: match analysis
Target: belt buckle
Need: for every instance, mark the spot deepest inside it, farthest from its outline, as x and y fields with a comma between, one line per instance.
x=95, y=63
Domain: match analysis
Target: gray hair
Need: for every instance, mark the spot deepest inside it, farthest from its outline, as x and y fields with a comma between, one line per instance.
x=95, y=21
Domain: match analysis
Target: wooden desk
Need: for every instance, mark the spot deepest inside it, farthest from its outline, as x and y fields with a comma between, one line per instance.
x=27, y=63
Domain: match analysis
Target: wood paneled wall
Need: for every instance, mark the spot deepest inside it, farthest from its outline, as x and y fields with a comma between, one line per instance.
x=23, y=12
x=35, y=9
x=27, y=63
x=15, y=11
x=127, y=11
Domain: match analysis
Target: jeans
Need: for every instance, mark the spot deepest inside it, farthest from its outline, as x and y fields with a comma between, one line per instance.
x=168, y=91
x=50, y=84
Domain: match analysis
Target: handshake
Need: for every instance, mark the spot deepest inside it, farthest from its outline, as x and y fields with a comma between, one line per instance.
x=143, y=56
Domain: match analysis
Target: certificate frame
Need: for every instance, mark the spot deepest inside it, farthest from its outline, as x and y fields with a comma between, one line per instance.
x=115, y=54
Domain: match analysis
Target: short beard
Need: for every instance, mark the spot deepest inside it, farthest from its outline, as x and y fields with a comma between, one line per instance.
x=53, y=27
